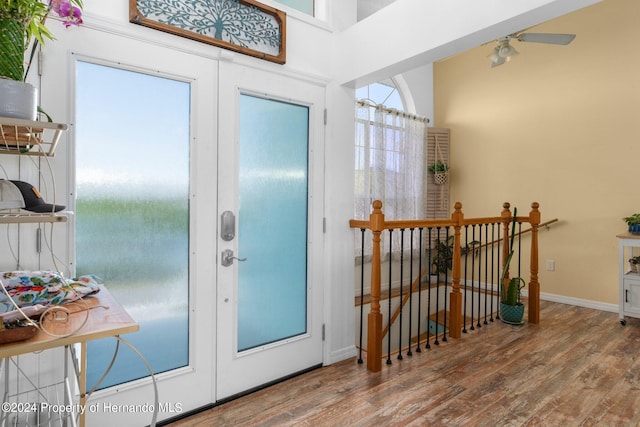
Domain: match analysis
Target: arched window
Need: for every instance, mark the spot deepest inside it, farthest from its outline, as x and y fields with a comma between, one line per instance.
x=382, y=93
x=390, y=153
x=393, y=149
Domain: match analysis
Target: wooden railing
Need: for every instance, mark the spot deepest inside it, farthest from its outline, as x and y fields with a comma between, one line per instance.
x=455, y=323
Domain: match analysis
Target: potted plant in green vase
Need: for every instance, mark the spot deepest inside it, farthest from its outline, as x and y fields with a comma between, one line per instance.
x=440, y=171
x=22, y=25
x=511, y=308
x=633, y=222
x=442, y=255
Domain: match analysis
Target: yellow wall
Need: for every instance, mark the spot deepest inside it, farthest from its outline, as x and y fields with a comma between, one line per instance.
x=559, y=125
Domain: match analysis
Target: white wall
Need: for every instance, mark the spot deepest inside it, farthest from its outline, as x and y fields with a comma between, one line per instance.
x=420, y=82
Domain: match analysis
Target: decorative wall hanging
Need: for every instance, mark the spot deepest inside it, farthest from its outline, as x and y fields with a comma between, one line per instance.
x=244, y=26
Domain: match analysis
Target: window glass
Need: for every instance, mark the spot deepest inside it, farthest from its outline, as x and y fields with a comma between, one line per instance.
x=384, y=93
x=272, y=221
x=390, y=154
x=132, y=211
x=305, y=6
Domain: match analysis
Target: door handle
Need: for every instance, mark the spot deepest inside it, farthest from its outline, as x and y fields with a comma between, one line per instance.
x=226, y=258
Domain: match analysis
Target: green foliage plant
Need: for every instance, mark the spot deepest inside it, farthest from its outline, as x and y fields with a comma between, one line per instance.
x=443, y=254
x=438, y=167
x=511, y=290
x=633, y=219
x=21, y=21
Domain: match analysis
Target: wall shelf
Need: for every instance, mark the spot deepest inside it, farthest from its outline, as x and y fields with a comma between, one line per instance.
x=21, y=218
x=28, y=137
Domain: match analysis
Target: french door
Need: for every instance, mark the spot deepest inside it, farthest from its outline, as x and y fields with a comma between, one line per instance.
x=255, y=154
x=270, y=192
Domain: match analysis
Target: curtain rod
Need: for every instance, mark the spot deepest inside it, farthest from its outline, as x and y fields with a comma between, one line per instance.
x=370, y=103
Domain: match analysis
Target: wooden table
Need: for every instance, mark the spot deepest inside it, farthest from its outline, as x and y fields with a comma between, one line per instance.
x=106, y=318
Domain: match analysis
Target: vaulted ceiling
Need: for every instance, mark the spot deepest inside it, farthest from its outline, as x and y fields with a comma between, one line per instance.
x=368, y=7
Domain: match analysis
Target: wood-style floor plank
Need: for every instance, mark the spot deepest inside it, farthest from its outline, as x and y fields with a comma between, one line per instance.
x=578, y=367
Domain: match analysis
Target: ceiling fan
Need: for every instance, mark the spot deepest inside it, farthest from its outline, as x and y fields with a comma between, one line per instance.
x=504, y=51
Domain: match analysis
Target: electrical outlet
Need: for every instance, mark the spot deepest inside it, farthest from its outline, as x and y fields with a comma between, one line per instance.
x=551, y=265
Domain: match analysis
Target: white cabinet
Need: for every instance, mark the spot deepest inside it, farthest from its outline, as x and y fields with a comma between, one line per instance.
x=629, y=282
x=630, y=296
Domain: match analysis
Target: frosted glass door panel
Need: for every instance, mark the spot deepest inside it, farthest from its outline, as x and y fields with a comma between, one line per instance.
x=272, y=227
x=132, y=210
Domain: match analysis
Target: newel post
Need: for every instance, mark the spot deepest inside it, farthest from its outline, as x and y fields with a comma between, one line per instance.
x=506, y=221
x=374, y=325
x=534, y=285
x=455, y=298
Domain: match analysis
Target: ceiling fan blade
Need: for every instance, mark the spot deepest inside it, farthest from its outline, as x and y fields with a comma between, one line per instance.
x=563, y=39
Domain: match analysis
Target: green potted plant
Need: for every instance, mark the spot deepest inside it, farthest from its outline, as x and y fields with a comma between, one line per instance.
x=633, y=222
x=511, y=308
x=438, y=167
x=442, y=254
x=440, y=171
x=22, y=23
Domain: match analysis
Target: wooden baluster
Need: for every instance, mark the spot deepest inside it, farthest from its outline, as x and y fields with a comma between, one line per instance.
x=534, y=286
x=455, y=299
x=374, y=325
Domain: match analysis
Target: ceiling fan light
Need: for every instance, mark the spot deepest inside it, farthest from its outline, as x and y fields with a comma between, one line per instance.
x=505, y=50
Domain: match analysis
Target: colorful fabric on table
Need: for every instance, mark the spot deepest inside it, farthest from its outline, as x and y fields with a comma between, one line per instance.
x=28, y=288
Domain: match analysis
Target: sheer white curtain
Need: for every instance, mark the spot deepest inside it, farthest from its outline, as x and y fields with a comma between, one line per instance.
x=390, y=166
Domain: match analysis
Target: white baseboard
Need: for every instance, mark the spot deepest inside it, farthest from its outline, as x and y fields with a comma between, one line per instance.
x=341, y=354
x=579, y=302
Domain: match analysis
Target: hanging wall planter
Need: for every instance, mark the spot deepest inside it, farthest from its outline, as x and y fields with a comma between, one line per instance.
x=439, y=169
x=440, y=172
x=440, y=178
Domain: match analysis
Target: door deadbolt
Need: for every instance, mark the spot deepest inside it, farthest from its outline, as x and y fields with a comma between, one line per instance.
x=227, y=226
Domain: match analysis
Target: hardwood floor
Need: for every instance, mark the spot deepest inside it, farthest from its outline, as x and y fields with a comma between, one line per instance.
x=578, y=367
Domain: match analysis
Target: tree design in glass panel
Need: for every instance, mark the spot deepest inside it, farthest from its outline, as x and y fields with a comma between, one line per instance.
x=231, y=21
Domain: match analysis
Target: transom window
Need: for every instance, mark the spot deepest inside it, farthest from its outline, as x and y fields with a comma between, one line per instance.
x=305, y=6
